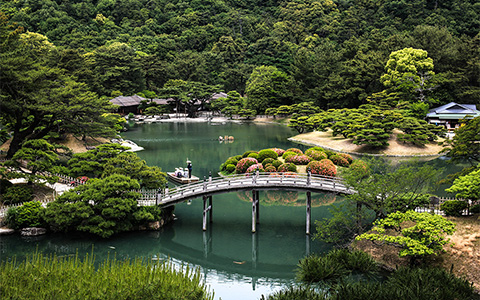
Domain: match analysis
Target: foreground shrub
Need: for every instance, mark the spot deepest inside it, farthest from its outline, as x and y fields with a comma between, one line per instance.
x=409, y=284
x=288, y=167
x=296, y=293
x=339, y=161
x=316, y=155
x=253, y=155
x=17, y=194
x=28, y=215
x=253, y=168
x=324, y=167
x=266, y=153
x=72, y=278
x=244, y=164
x=453, y=208
x=298, y=159
x=231, y=161
x=320, y=268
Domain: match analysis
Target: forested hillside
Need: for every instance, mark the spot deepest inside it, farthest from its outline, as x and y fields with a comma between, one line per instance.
x=332, y=53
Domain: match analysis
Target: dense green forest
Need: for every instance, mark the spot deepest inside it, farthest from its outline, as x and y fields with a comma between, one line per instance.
x=332, y=53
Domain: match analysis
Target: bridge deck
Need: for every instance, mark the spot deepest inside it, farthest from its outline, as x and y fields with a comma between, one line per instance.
x=262, y=181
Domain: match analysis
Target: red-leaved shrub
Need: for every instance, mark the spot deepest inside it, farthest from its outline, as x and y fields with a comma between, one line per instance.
x=244, y=164
x=298, y=159
x=324, y=167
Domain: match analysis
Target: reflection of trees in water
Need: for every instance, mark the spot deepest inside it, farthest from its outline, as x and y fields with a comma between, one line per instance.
x=289, y=198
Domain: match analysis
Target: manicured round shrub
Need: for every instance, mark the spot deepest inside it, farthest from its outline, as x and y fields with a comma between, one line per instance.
x=17, y=194
x=266, y=153
x=253, y=168
x=253, y=155
x=339, y=160
x=360, y=168
x=267, y=161
x=277, y=163
x=324, y=167
x=27, y=215
x=298, y=159
x=288, y=153
x=316, y=155
x=329, y=152
x=244, y=164
x=230, y=168
x=238, y=157
x=279, y=151
x=316, y=148
x=231, y=161
x=270, y=168
x=246, y=153
x=348, y=157
x=296, y=150
x=453, y=208
x=287, y=167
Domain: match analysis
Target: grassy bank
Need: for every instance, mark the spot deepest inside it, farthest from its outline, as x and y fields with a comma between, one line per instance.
x=41, y=277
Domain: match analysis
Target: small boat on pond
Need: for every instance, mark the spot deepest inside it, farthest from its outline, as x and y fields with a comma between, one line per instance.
x=182, y=179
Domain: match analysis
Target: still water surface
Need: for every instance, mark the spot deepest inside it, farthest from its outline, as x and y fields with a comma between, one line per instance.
x=235, y=263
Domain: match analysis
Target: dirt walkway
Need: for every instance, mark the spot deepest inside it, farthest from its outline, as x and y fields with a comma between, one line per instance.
x=338, y=143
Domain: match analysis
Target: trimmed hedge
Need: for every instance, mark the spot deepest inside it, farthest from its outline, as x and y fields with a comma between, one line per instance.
x=253, y=155
x=288, y=153
x=246, y=153
x=266, y=153
x=230, y=168
x=279, y=151
x=316, y=155
x=360, y=168
x=277, y=163
x=287, y=167
x=244, y=164
x=254, y=168
x=339, y=160
x=298, y=159
x=348, y=157
x=270, y=168
x=324, y=167
x=296, y=150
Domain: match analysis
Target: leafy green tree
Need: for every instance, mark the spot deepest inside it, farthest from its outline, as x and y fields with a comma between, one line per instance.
x=388, y=188
x=425, y=237
x=268, y=87
x=467, y=186
x=92, y=162
x=29, y=214
x=409, y=71
x=40, y=157
x=116, y=67
x=38, y=100
x=102, y=207
x=465, y=145
x=129, y=164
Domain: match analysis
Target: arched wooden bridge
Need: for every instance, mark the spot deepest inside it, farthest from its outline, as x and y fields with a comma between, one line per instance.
x=254, y=182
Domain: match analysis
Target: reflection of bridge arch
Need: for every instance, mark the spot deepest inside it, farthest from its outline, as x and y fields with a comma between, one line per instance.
x=254, y=182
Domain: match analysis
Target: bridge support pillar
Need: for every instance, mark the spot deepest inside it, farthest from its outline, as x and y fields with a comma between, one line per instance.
x=207, y=208
x=258, y=206
x=254, y=211
x=309, y=209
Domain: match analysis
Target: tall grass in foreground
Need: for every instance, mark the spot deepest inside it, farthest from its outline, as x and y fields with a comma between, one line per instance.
x=41, y=277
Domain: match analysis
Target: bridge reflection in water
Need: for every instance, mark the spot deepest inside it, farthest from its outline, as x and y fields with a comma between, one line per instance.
x=252, y=182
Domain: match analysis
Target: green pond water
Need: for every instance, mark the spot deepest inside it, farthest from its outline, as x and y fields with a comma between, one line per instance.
x=235, y=263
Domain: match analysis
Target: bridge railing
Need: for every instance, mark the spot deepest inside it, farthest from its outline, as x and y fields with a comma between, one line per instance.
x=251, y=180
